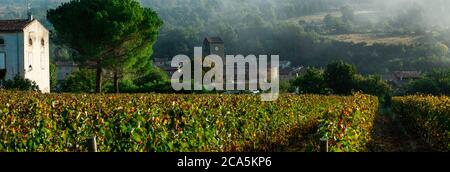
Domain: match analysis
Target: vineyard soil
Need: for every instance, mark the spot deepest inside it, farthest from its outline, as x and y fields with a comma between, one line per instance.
x=390, y=135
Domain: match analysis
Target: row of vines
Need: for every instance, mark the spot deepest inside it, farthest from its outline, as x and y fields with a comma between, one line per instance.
x=427, y=115
x=33, y=122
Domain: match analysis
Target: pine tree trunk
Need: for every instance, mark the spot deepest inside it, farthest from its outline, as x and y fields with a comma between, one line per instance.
x=116, y=82
x=98, y=84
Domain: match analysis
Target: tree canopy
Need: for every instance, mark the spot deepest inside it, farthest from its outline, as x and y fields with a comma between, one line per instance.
x=107, y=34
x=340, y=77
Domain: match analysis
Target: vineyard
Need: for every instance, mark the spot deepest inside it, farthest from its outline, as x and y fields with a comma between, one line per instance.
x=32, y=122
x=427, y=115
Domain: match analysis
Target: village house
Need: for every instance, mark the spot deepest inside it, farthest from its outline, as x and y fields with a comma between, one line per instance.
x=290, y=73
x=400, y=78
x=165, y=65
x=216, y=46
x=24, y=51
x=64, y=69
x=161, y=62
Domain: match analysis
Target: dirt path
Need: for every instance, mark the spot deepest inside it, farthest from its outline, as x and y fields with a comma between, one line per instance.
x=391, y=136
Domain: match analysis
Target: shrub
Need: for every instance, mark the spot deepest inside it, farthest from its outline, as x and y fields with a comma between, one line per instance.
x=157, y=87
x=21, y=84
x=154, y=75
x=373, y=85
x=53, y=77
x=81, y=81
x=2, y=74
x=125, y=86
x=436, y=83
x=339, y=76
x=312, y=82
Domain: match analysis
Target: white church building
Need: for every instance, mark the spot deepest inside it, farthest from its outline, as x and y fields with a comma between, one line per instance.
x=24, y=51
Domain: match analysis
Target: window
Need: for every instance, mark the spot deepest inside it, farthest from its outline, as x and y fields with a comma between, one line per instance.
x=2, y=60
x=2, y=42
x=31, y=37
x=30, y=60
x=42, y=42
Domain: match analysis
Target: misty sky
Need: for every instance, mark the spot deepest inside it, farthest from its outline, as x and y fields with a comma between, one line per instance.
x=435, y=12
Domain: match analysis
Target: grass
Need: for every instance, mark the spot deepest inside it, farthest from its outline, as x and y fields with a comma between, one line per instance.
x=313, y=18
x=371, y=39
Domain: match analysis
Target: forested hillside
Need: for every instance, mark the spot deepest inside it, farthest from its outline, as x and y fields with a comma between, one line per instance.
x=376, y=36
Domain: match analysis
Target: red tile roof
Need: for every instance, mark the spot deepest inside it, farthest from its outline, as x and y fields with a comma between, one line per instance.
x=66, y=63
x=13, y=25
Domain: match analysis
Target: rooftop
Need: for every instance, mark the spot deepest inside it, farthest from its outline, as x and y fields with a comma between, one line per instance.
x=161, y=59
x=214, y=40
x=407, y=74
x=65, y=63
x=14, y=25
